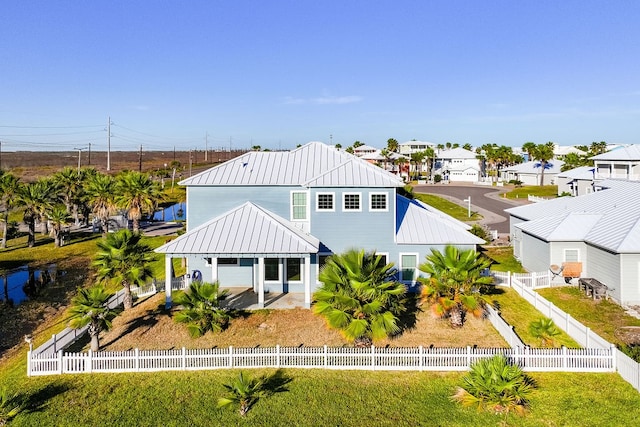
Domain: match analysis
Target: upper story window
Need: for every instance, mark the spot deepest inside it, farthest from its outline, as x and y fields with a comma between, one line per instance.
x=351, y=202
x=325, y=202
x=299, y=207
x=378, y=202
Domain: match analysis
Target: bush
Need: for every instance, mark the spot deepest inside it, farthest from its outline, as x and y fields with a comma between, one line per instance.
x=631, y=350
x=437, y=178
x=480, y=231
x=495, y=385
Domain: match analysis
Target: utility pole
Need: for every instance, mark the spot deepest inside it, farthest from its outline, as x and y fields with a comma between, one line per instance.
x=79, y=153
x=89, y=154
x=206, y=147
x=140, y=160
x=109, y=145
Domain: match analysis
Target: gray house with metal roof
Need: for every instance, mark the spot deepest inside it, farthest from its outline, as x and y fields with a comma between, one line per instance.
x=601, y=230
x=269, y=220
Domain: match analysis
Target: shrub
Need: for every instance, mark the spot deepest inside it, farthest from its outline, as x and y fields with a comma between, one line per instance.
x=437, y=178
x=545, y=330
x=493, y=384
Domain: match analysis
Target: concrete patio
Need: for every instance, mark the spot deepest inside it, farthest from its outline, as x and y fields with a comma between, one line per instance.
x=247, y=299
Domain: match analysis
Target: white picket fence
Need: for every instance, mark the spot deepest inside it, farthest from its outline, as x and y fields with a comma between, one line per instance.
x=345, y=358
x=628, y=368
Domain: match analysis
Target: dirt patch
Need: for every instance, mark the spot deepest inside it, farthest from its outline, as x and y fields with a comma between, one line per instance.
x=630, y=335
x=149, y=326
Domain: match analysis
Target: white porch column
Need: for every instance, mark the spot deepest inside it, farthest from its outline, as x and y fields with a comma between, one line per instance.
x=168, y=274
x=307, y=282
x=261, y=282
x=214, y=269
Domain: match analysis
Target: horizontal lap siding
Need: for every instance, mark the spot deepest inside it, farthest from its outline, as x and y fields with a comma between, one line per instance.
x=535, y=253
x=630, y=280
x=607, y=269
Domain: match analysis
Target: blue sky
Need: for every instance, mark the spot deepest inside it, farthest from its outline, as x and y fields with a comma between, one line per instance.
x=282, y=73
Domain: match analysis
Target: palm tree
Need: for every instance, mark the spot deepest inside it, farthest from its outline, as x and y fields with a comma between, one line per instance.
x=34, y=198
x=9, y=192
x=59, y=217
x=138, y=194
x=545, y=330
x=360, y=296
x=11, y=405
x=529, y=148
x=496, y=385
x=100, y=195
x=89, y=308
x=243, y=391
x=455, y=283
x=392, y=145
x=417, y=158
x=70, y=182
x=543, y=153
x=124, y=259
x=201, y=310
x=597, y=148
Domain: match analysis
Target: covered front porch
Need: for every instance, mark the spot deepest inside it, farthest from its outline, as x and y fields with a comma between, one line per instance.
x=247, y=299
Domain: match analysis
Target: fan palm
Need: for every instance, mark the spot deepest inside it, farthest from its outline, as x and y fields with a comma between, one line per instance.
x=9, y=192
x=545, y=330
x=88, y=307
x=70, y=183
x=100, y=195
x=243, y=391
x=360, y=296
x=201, y=310
x=124, y=259
x=455, y=283
x=34, y=197
x=59, y=217
x=138, y=194
x=496, y=385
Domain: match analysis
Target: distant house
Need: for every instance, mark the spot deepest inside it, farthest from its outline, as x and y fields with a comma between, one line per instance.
x=411, y=147
x=458, y=165
x=529, y=173
x=622, y=162
x=577, y=181
x=364, y=150
x=600, y=230
x=267, y=221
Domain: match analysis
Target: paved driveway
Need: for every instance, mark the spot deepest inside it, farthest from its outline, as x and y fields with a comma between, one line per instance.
x=484, y=200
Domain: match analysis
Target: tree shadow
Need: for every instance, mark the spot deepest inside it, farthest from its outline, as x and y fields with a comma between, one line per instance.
x=147, y=321
x=408, y=319
x=276, y=383
x=38, y=401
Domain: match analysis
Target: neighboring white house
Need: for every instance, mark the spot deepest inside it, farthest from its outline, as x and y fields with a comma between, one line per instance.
x=560, y=151
x=364, y=149
x=600, y=230
x=622, y=162
x=529, y=173
x=577, y=182
x=458, y=165
x=410, y=147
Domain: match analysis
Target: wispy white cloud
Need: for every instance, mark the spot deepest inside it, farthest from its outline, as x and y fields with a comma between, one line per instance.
x=323, y=100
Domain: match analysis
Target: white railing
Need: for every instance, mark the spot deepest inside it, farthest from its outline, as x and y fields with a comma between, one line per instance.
x=529, y=280
x=628, y=369
x=345, y=358
x=504, y=329
x=536, y=199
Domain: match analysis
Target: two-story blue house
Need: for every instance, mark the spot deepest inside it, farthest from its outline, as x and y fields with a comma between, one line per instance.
x=269, y=220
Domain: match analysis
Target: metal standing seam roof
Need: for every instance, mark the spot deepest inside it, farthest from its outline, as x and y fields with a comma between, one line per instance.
x=619, y=206
x=297, y=167
x=530, y=167
x=570, y=227
x=417, y=226
x=630, y=152
x=456, y=153
x=247, y=229
x=581, y=172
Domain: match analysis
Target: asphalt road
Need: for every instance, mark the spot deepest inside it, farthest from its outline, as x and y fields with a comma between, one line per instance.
x=484, y=200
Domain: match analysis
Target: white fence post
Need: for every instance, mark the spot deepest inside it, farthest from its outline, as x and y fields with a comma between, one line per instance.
x=468, y=356
x=278, y=356
x=137, y=360
x=60, y=367
x=325, y=355
x=231, y=356
x=184, y=358
x=420, y=362
x=373, y=357
x=89, y=364
x=29, y=363
x=509, y=278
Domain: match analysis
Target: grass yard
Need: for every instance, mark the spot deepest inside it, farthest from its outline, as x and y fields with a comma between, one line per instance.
x=519, y=313
x=503, y=259
x=450, y=208
x=604, y=317
x=534, y=190
x=316, y=398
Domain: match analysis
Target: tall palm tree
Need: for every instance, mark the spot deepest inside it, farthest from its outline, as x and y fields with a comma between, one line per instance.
x=417, y=159
x=543, y=153
x=100, y=195
x=201, y=310
x=9, y=193
x=123, y=258
x=88, y=307
x=392, y=145
x=34, y=198
x=360, y=296
x=70, y=182
x=59, y=217
x=138, y=194
x=455, y=283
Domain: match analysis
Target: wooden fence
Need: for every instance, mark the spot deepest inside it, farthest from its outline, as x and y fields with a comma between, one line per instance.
x=345, y=358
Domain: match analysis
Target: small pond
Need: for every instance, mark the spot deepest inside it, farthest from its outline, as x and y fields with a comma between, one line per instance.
x=176, y=212
x=25, y=283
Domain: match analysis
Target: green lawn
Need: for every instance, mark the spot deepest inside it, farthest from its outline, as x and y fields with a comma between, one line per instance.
x=534, y=190
x=458, y=212
x=602, y=316
x=519, y=313
x=503, y=259
x=316, y=398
